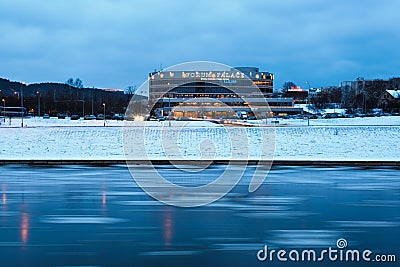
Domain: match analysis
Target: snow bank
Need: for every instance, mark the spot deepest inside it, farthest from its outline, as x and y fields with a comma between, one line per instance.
x=63, y=139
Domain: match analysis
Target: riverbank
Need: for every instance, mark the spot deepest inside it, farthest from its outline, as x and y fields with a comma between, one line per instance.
x=88, y=141
x=311, y=163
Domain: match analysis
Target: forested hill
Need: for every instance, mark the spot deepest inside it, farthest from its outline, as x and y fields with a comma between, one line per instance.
x=61, y=97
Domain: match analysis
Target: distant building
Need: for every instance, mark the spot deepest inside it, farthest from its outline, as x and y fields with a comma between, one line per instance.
x=300, y=96
x=366, y=93
x=390, y=100
x=313, y=92
x=184, y=93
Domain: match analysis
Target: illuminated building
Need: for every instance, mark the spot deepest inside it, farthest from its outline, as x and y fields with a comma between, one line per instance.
x=216, y=94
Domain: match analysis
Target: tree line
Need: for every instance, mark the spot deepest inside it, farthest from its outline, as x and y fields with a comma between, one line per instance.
x=355, y=95
x=67, y=98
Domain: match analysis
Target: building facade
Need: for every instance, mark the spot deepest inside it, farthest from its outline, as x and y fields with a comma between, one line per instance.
x=366, y=93
x=215, y=94
x=390, y=101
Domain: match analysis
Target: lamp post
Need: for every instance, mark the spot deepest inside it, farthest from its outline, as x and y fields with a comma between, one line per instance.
x=92, y=102
x=104, y=114
x=308, y=104
x=169, y=109
x=22, y=104
x=4, y=109
x=38, y=94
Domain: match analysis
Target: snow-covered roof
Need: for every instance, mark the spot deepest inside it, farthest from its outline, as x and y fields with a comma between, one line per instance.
x=394, y=93
x=111, y=89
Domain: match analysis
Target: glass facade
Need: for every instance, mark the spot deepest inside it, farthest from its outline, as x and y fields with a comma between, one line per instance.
x=219, y=93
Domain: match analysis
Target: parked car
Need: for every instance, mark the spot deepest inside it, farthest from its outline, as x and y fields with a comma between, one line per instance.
x=75, y=117
x=349, y=115
x=89, y=117
x=330, y=116
x=160, y=118
x=242, y=115
x=183, y=119
x=118, y=117
x=100, y=117
x=61, y=116
x=46, y=116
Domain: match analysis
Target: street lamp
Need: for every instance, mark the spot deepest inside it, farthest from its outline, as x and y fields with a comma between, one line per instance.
x=4, y=109
x=38, y=94
x=104, y=114
x=169, y=109
x=22, y=104
x=308, y=103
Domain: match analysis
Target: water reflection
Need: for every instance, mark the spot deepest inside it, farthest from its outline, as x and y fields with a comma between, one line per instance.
x=167, y=220
x=4, y=194
x=24, y=227
x=79, y=213
x=104, y=199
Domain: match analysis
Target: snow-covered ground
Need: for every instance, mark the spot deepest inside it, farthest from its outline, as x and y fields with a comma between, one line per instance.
x=55, y=122
x=331, y=139
x=359, y=121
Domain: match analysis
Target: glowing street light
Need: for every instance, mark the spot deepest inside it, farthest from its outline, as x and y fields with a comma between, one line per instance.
x=308, y=103
x=38, y=94
x=4, y=109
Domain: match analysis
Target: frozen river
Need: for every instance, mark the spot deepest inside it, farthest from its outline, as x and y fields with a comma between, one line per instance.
x=88, y=216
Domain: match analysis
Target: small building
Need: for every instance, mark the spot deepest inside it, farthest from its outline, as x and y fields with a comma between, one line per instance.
x=300, y=96
x=390, y=100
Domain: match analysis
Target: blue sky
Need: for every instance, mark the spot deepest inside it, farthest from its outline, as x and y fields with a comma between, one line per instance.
x=116, y=43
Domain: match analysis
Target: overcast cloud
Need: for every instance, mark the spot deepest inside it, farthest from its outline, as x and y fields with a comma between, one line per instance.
x=116, y=43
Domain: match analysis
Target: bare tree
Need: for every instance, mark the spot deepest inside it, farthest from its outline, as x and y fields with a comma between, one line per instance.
x=288, y=85
x=70, y=82
x=130, y=90
x=78, y=83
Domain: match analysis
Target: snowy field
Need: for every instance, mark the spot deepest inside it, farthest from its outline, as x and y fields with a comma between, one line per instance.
x=366, y=121
x=331, y=139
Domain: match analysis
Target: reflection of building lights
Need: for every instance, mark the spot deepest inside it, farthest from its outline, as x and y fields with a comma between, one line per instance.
x=24, y=227
x=4, y=196
x=104, y=199
x=167, y=227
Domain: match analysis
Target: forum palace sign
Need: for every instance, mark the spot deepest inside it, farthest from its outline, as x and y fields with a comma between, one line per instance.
x=201, y=75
